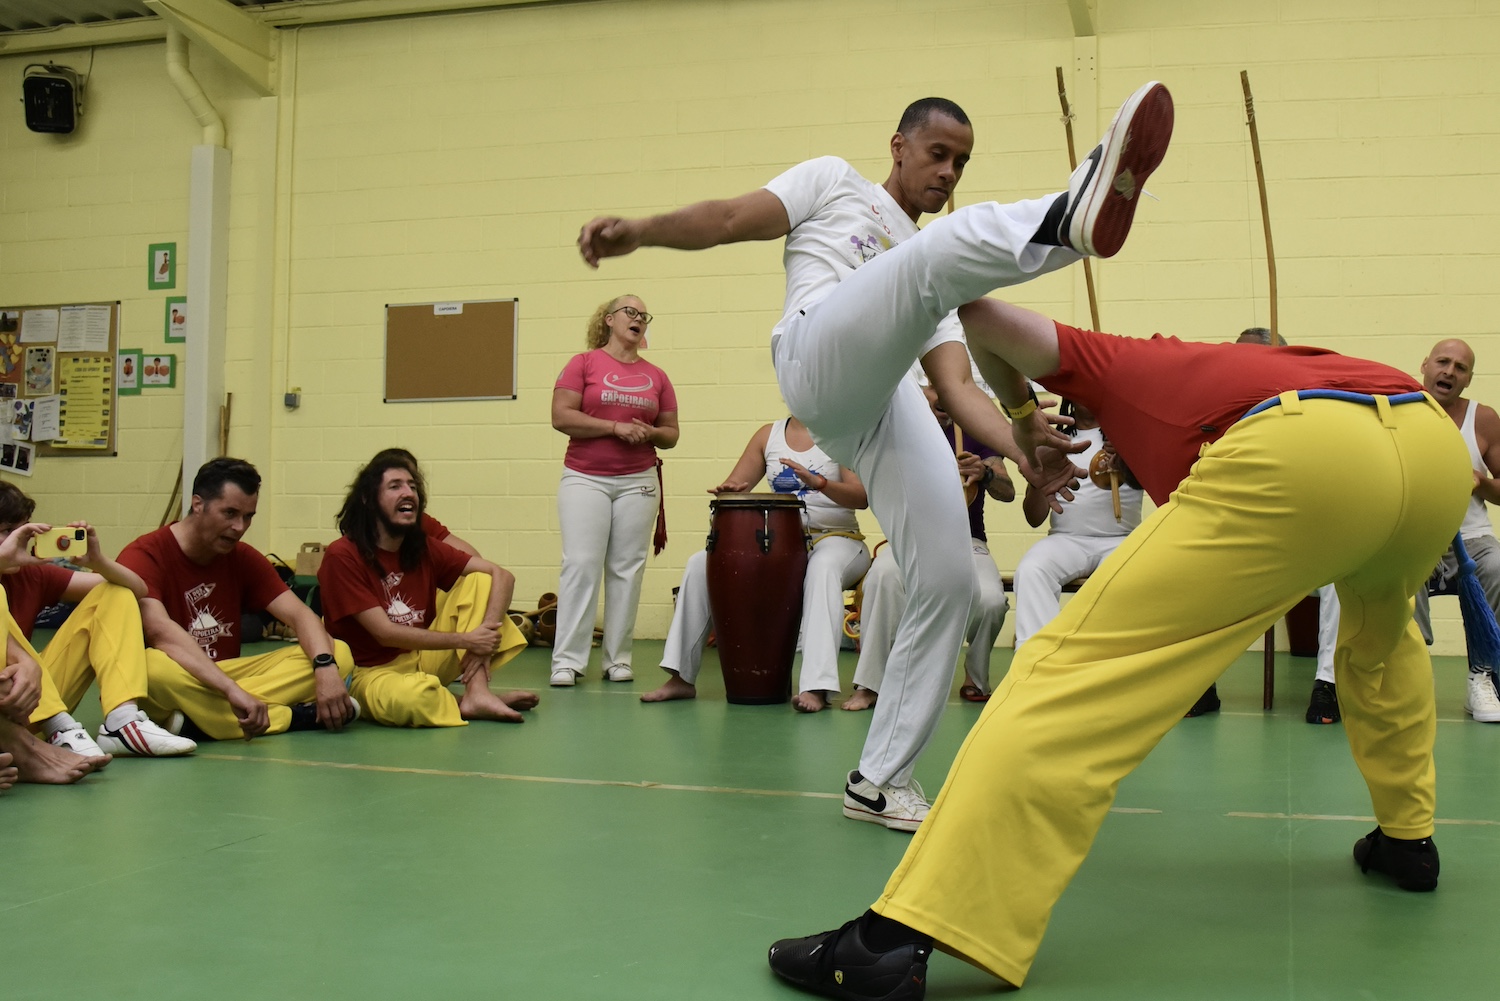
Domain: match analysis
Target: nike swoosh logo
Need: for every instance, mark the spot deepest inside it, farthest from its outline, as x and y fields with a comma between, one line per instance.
x=877, y=804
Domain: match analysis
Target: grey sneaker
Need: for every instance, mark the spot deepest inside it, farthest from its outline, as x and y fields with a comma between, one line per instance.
x=901, y=808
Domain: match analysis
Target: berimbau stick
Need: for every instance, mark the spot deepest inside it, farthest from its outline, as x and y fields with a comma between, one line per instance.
x=1265, y=218
x=1088, y=271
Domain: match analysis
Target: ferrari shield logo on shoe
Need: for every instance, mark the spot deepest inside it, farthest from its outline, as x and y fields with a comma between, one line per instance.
x=838, y=976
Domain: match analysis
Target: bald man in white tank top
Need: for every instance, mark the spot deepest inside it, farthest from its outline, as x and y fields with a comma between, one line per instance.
x=1446, y=373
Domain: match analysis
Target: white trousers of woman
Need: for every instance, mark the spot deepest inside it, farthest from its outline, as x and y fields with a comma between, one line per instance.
x=606, y=524
x=833, y=567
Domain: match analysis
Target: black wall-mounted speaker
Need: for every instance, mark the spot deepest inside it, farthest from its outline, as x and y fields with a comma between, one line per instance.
x=51, y=97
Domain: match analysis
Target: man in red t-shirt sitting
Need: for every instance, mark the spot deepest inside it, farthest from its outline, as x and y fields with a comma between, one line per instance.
x=200, y=578
x=379, y=584
x=101, y=638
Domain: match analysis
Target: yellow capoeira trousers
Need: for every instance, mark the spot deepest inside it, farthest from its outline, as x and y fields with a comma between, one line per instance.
x=101, y=638
x=412, y=690
x=1304, y=494
x=281, y=679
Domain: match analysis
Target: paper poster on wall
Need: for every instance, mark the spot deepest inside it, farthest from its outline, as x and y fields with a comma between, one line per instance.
x=18, y=457
x=83, y=328
x=175, y=321
x=39, y=326
x=160, y=370
x=21, y=414
x=161, y=260
x=11, y=351
x=44, y=419
x=128, y=372
x=85, y=413
x=39, y=378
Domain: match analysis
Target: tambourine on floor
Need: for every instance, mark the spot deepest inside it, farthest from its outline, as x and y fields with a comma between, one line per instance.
x=610, y=851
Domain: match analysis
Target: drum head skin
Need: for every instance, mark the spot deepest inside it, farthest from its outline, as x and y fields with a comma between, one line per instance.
x=757, y=500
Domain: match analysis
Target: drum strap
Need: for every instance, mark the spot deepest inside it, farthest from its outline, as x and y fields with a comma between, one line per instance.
x=820, y=536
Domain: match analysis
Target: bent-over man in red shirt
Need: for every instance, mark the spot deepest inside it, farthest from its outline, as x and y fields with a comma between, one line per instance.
x=1254, y=512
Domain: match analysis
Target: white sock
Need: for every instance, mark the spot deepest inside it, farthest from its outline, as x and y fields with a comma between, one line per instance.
x=59, y=723
x=121, y=714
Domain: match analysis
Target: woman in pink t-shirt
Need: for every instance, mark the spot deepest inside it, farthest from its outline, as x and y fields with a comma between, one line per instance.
x=616, y=409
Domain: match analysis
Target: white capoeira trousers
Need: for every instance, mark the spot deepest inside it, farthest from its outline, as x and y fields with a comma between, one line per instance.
x=606, y=526
x=834, y=565
x=842, y=365
x=885, y=601
x=1046, y=567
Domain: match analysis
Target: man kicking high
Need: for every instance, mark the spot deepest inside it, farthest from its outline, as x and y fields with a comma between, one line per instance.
x=867, y=295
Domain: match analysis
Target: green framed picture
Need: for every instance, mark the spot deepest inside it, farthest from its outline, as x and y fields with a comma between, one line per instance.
x=128, y=372
x=159, y=370
x=174, y=322
x=161, y=266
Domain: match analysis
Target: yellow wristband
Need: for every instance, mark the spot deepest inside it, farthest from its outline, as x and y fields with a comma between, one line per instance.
x=1024, y=410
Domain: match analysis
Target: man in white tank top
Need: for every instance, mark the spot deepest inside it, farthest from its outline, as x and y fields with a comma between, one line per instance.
x=791, y=462
x=1446, y=373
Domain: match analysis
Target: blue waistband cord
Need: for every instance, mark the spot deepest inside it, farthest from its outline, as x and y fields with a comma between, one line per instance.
x=1337, y=394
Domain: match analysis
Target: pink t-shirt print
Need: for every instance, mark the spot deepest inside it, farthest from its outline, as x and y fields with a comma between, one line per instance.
x=613, y=390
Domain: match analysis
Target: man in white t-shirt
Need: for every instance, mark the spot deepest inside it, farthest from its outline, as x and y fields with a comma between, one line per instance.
x=1446, y=373
x=866, y=295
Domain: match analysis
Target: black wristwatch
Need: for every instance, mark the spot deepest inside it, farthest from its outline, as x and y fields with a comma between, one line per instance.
x=324, y=660
x=989, y=476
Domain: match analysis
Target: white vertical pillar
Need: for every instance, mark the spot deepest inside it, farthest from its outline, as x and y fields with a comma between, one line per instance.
x=207, y=295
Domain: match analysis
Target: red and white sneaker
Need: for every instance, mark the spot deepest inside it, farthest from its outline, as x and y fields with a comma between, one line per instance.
x=144, y=739
x=1105, y=189
x=77, y=740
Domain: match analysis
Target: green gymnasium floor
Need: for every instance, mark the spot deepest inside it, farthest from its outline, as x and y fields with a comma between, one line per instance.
x=610, y=850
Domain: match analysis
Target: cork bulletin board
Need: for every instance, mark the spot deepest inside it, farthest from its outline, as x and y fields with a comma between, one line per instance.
x=451, y=351
x=57, y=374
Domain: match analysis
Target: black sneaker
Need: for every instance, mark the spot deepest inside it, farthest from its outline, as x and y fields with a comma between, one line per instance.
x=1412, y=864
x=838, y=964
x=305, y=716
x=1324, y=707
x=1208, y=702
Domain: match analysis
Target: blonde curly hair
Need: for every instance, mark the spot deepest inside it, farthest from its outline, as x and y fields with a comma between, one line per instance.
x=596, y=334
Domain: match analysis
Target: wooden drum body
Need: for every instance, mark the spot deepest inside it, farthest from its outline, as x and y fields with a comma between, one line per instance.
x=757, y=558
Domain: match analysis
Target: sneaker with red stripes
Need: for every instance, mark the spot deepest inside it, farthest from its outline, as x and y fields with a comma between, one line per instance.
x=142, y=738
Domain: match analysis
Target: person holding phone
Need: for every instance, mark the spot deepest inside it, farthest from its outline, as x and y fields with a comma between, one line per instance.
x=100, y=640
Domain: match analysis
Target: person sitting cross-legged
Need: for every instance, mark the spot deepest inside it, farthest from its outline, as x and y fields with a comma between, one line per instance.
x=200, y=579
x=379, y=583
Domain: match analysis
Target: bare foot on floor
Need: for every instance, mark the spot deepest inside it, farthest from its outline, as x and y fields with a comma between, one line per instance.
x=521, y=699
x=9, y=774
x=487, y=705
x=673, y=689
x=809, y=702
x=862, y=699
x=41, y=762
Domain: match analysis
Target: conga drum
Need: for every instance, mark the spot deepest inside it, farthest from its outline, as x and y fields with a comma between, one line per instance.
x=757, y=557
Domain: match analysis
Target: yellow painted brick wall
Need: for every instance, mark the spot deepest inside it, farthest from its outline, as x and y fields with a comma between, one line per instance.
x=455, y=156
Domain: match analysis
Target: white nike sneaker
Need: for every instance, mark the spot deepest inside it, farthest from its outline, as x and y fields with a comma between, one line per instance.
x=1105, y=189
x=901, y=808
x=1483, y=704
x=77, y=740
x=144, y=739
